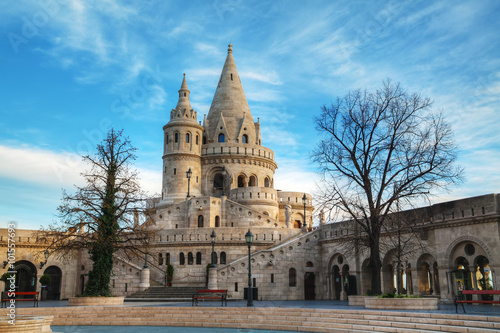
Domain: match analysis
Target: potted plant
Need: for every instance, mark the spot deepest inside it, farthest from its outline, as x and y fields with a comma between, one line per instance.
x=170, y=274
x=45, y=281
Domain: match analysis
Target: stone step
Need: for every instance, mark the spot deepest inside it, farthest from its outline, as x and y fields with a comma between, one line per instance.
x=310, y=320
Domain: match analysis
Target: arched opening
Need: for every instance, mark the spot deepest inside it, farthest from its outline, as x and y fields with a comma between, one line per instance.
x=292, y=277
x=244, y=138
x=160, y=259
x=337, y=280
x=214, y=257
x=483, y=274
x=309, y=264
x=221, y=137
x=297, y=224
x=190, y=258
x=309, y=286
x=54, y=287
x=218, y=182
x=223, y=258
x=198, y=258
x=187, y=137
x=182, y=259
x=197, y=139
x=26, y=276
x=176, y=137
x=252, y=181
x=200, y=221
x=241, y=181
x=267, y=182
x=217, y=221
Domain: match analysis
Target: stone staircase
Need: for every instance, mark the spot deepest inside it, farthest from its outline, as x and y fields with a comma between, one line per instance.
x=161, y=293
x=291, y=319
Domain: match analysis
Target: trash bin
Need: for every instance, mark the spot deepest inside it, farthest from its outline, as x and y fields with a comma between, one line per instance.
x=255, y=293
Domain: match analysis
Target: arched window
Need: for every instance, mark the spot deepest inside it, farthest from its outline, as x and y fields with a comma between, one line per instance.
x=218, y=182
x=204, y=140
x=221, y=137
x=292, y=277
x=184, y=94
x=176, y=137
x=200, y=221
x=252, y=181
x=266, y=182
x=214, y=258
x=241, y=181
x=198, y=258
x=190, y=258
x=223, y=258
x=160, y=259
x=182, y=259
x=187, y=137
x=167, y=259
x=244, y=138
x=309, y=264
x=217, y=221
x=166, y=139
x=197, y=139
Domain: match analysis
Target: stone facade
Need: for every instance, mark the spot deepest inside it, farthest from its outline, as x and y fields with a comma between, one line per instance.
x=218, y=177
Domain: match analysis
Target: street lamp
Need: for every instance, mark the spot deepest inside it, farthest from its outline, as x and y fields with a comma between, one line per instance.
x=304, y=201
x=249, y=240
x=188, y=176
x=46, y=255
x=212, y=240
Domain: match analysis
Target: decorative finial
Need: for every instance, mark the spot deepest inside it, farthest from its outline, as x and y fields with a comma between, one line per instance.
x=184, y=74
x=230, y=49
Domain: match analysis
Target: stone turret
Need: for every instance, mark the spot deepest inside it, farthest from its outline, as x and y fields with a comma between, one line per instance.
x=182, y=150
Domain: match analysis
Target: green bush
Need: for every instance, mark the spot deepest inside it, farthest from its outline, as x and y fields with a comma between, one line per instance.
x=45, y=280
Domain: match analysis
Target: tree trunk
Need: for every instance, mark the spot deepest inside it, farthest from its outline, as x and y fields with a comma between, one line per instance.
x=376, y=263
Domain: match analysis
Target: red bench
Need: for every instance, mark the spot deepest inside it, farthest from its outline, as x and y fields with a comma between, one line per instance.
x=210, y=294
x=20, y=296
x=459, y=299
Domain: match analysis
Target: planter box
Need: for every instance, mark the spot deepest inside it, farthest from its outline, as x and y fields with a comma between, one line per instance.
x=95, y=301
x=358, y=300
x=402, y=303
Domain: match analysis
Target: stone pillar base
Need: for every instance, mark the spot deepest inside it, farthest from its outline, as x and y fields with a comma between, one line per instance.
x=212, y=278
x=144, y=284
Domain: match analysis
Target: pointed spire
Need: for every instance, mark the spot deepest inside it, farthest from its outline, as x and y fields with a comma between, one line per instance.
x=183, y=102
x=230, y=101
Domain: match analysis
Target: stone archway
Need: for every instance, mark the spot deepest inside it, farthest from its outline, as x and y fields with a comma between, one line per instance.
x=54, y=288
x=26, y=276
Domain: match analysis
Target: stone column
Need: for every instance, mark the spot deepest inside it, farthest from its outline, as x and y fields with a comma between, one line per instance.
x=212, y=278
x=343, y=293
x=144, y=279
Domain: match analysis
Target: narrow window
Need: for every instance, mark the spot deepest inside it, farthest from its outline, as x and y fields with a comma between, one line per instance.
x=190, y=258
x=223, y=258
x=272, y=278
x=182, y=260
x=254, y=282
x=221, y=137
x=160, y=259
x=217, y=221
x=266, y=182
x=184, y=94
x=292, y=277
x=187, y=137
x=166, y=139
x=204, y=140
x=198, y=258
x=214, y=257
x=175, y=171
x=482, y=208
x=472, y=211
x=236, y=286
x=197, y=139
x=176, y=137
x=200, y=221
x=126, y=287
x=244, y=138
x=167, y=259
x=231, y=76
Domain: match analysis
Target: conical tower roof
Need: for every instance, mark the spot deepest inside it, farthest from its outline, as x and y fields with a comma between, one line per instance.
x=183, y=111
x=229, y=107
x=183, y=102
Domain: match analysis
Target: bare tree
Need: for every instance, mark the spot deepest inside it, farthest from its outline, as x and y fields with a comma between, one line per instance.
x=105, y=215
x=378, y=148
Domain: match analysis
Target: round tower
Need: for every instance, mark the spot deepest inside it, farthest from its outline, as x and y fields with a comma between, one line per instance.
x=182, y=151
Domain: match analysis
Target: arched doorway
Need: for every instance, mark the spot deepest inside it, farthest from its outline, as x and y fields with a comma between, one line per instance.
x=337, y=280
x=309, y=286
x=54, y=288
x=26, y=276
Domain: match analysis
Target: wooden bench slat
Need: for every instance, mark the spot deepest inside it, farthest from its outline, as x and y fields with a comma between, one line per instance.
x=205, y=294
x=475, y=292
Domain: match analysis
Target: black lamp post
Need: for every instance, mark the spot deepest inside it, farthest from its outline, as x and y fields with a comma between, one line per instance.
x=212, y=240
x=188, y=176
x=249, y=240
x=46, y=255
x=304, y=201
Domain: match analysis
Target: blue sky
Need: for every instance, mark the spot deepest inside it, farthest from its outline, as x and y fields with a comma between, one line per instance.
x=73, y=68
